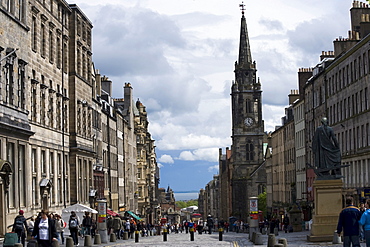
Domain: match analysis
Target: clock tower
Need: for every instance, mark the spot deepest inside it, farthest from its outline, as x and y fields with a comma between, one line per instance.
x=247, y=128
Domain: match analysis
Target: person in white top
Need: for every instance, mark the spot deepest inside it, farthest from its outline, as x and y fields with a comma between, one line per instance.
x=45, y=230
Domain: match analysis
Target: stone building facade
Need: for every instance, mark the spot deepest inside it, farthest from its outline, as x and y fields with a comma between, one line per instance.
x=146, y=166
x=335, y=88
x=224, y=184
x=344, y=99
x=63, y=140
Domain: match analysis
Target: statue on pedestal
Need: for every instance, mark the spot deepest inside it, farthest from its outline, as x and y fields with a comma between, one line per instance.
x=326, y=152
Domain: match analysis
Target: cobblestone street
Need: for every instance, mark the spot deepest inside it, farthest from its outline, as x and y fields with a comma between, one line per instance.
x=296, y=239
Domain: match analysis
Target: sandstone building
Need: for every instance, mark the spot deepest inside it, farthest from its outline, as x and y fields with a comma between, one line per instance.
x=63, y=139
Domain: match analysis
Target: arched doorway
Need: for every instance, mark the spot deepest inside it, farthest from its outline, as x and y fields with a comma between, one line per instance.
x=5, y=175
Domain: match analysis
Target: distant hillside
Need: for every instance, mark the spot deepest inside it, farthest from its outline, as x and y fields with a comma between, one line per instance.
x=187, y=203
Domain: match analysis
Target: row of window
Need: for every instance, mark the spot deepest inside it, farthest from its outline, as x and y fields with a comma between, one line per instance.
x=48, y=105
x=15, y=7
x=13, y=91
x=349, y=73
x=84, y=181
x=354, y=104
x=357, y=173
x=84, y=121
x=42, y=162
x=54, y=44
x=355, y=138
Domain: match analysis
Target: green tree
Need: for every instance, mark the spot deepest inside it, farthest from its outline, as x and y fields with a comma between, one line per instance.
x=185, y=204
x=262, y=203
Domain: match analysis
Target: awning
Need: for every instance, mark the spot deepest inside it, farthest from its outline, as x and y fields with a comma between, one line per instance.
x=133, y=215
x=110, y=212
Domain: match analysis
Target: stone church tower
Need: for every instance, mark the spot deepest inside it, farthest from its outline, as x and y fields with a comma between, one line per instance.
x=247, y=128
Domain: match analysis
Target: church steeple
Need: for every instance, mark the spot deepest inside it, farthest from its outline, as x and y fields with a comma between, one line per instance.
x=245, y=57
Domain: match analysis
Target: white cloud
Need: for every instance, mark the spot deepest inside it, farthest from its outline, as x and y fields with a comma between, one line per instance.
x=180, y=60
x=165, y=158
x=205, y=154
x=186, y=155
x=213, y=169
x=160, y=165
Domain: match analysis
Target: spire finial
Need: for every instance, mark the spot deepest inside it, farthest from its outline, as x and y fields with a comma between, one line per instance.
x=242, y=5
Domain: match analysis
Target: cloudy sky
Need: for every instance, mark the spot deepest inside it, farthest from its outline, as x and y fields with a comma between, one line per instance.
x=179, y=57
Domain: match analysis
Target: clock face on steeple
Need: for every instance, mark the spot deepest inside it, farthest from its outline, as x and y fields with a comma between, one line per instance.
x=248, y=121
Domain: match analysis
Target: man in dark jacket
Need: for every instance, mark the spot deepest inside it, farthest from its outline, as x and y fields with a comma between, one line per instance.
x=210, y=224
x=87, y=222
x=19, y=225
x=45, y=230
x=348, y=222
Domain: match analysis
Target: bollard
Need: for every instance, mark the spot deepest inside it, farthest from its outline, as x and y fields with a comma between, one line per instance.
x=32, y=242
x=136, y=236
x=165, y=234
x=125, y=235
x=283, y=241
x=278, y=245
x=55, y=243
x=69, y=242
x=336, y=238
x=253, y=239
x=112, y=237
x=191, y=234
x=97, y=239
x=271, y=240
x=258, y=239
x=18, y=245
x=220, y=232
x=87, y=241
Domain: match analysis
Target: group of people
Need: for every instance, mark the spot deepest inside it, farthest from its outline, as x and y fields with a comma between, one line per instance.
x=119, y=225
x=44, y=228
x=76, y=228
x=48, y=227
x=354, y=223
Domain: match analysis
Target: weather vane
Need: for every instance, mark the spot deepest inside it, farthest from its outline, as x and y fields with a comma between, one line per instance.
x=243, y=5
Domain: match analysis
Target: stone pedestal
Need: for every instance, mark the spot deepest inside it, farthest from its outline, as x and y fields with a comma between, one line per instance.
x=328, y=205
x=296, y=218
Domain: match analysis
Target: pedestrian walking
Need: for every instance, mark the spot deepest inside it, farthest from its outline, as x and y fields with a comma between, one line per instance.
x=44, y=230
x=286, y=223
x=93, y=227
x=362, y=232
x=349, y=223
x=210, y=224
x=109, y=224
x=87, y=223
x=60, y=225
x=19, y=227
x=73, y=225
x=227, y=226
x=365, y=222
x=31, y=225
x=117, y=225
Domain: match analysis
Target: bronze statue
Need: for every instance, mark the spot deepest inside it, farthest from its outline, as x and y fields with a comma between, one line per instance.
x=326, y=152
